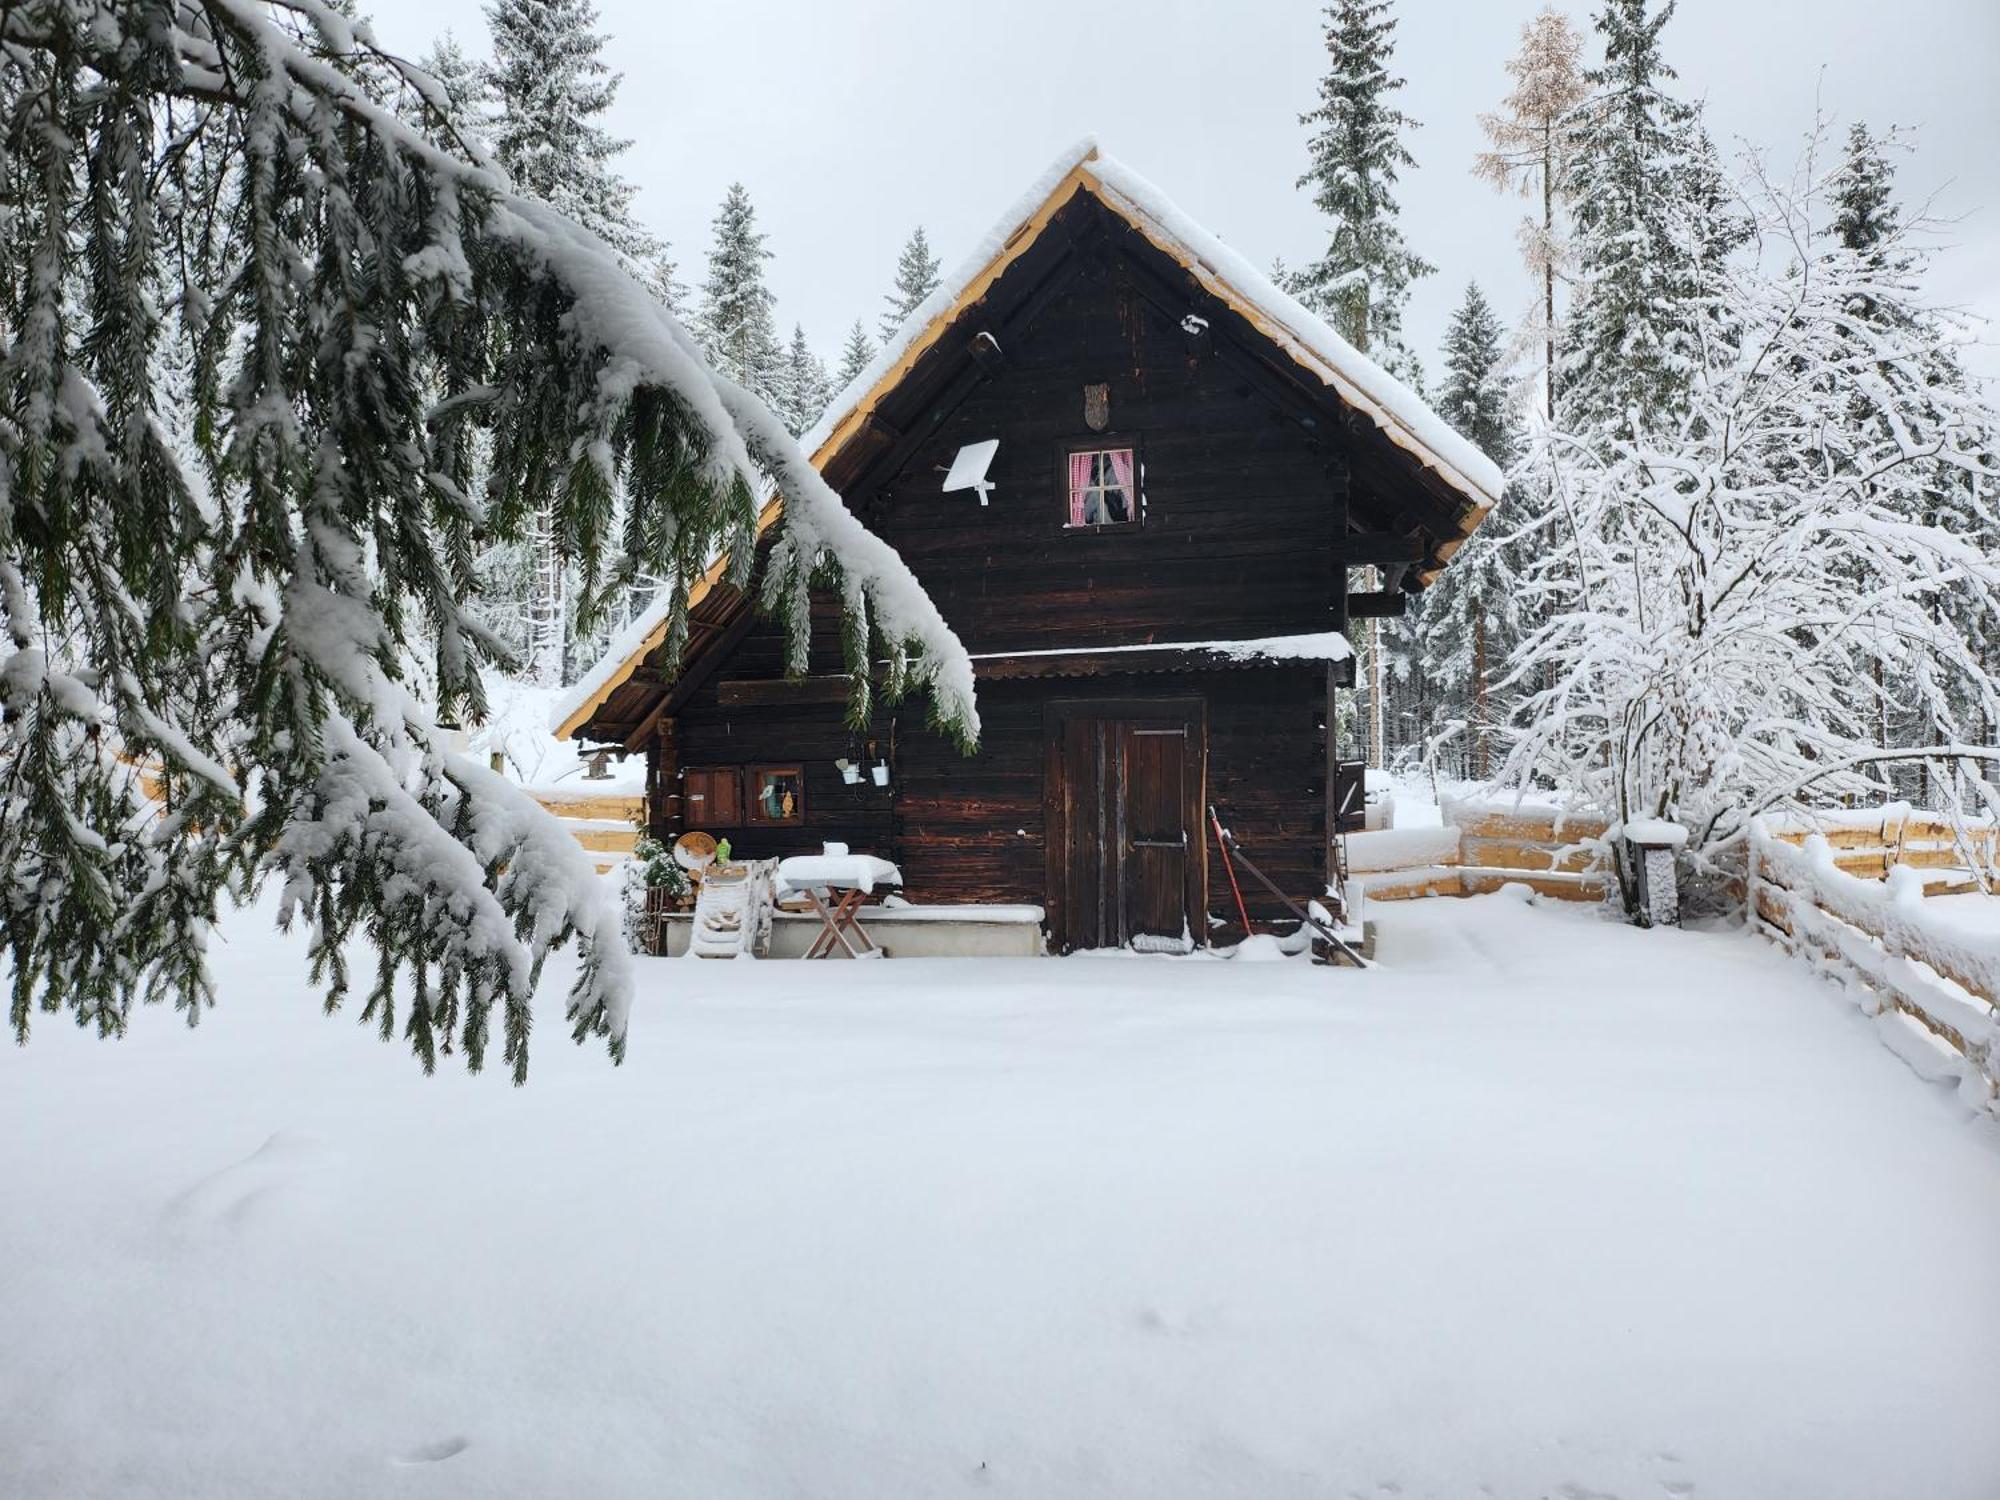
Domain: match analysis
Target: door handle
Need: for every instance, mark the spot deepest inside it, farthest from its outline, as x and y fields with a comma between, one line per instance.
x=1179, y=843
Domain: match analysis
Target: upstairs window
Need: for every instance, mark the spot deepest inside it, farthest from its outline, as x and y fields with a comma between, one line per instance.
x=1103, y=487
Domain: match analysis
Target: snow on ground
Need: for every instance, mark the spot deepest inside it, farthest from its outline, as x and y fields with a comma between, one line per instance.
x=1542, y=1206
x=1970, y=911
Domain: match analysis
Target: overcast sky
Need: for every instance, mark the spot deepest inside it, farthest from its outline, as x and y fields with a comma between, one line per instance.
x=850, y=121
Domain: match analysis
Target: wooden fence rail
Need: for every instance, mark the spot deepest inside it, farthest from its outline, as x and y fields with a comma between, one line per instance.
x=1873, y=844
x=1931, y=989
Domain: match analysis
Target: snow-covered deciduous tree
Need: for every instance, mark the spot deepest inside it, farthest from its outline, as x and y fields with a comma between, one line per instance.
x=916, y=279
x=1361, y=282
x=1529, y=155
x=855, y=356
x=737, y=318
x=803, y=388
x=1472, y=617
x=227, y=668
x=1726, y=588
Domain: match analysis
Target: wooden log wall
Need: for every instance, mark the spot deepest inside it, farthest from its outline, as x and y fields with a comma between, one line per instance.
x=970, y=829
x=1480, y=849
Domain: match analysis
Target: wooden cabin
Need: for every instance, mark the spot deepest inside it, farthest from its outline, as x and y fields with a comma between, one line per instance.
x=1154, y=571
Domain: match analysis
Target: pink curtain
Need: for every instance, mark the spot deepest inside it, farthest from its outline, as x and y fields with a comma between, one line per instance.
x=1126, y=507
x=1079, y=487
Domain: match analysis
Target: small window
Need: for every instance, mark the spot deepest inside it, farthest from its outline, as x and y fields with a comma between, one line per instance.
x=1103, y=487
x=777, y=795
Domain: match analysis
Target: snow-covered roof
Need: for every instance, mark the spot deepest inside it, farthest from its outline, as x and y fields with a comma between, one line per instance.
x=1397, y=411
x=1401, y=414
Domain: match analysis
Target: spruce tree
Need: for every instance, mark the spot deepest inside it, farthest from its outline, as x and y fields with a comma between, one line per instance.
x=1865, y=217
x=1474, y=397
x=549, y=84
x=1361, y=283
x=1634, y=171
x=855, y=355
x=736, y=320
x=1530, y=153
x=1472, y=616
x=916, y=279
x=663, y=274
x=803, y=389
x=467, y=96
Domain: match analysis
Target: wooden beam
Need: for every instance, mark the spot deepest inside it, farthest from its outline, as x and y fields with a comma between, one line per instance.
x=1337, y=480
x=783, y=692
x=986, y=352
x=1379, y=604
x=695, y=673
x=1372, y=549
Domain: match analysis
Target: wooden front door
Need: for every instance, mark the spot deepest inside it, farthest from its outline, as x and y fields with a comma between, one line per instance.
x=1127, y=859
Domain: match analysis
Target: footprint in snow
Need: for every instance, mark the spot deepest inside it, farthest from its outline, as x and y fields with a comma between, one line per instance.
x=276, y=1181
x=433, y=1453
x=1173, y=1325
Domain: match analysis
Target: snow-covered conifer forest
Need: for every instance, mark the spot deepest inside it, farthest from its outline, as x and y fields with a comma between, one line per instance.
x=404, y=415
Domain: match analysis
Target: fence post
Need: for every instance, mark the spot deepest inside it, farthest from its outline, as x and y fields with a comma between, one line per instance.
x=1654, y=842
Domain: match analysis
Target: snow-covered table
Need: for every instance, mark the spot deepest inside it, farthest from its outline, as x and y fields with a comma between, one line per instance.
x=850, y=879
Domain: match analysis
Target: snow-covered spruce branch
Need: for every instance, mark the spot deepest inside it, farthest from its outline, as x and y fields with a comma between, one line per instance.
x=257, y=302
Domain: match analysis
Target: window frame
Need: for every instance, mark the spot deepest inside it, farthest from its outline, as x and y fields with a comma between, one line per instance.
x=753, y=802
x=1102, y=442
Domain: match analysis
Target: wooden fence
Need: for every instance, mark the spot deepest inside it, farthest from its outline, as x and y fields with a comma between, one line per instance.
x=1931, y=989
x=1872, y=844
x=1481, y=847
x=606, y=824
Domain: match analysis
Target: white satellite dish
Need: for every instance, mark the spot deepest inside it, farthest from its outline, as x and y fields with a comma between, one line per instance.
x=968, y=470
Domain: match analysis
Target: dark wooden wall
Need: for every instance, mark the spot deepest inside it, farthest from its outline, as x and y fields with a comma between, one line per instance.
x=1245, y=514
x=970, y=829
x=1239, y=531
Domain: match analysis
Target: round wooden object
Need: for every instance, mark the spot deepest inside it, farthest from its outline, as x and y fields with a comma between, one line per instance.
x=694, y=851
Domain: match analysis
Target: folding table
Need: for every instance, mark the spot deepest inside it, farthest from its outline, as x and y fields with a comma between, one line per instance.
x=849, y=879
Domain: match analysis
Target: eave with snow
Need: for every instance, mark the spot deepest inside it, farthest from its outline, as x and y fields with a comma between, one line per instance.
x=1191, y=469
